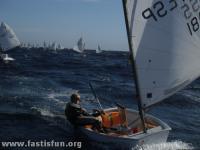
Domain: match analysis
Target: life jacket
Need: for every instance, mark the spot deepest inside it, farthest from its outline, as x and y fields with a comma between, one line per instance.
x=110, y=119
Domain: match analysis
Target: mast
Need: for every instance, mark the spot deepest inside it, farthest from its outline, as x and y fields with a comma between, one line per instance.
x=135, y=76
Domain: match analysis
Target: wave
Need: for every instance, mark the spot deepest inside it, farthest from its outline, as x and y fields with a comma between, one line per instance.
x=192, y=95
x=183, y=99
x=61, y=95
x=42, y=112
x=175, y=145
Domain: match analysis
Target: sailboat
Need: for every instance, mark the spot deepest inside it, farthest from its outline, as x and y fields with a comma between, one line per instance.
x=98, y=50
x=6, y=58
x=80, y=47
x=8, y=41
x=54, y=47
x=60, y=47
x=164, y=49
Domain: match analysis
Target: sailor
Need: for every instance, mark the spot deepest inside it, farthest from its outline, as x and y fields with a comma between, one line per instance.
x=78, y=116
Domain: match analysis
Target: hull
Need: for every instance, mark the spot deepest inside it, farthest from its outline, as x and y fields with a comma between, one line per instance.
x=5, y=58
x=76, y=49
x=158, y=134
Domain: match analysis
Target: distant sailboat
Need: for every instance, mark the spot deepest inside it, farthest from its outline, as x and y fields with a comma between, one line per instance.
x=60, y=47
x=165, y=50
x=8, y=41
x=6, y=58
x=54, y=46
x=29, y=46
x=80, y=47
x=98, y=50
x=8, y=38
x=22, y=45
x=45, y=45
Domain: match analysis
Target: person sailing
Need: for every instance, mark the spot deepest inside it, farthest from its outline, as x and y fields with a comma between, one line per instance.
x=78, y=116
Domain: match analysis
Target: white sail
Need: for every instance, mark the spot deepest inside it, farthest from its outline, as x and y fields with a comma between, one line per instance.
x=29, y=46
x=60, y=47
x=45, y=45
x=166, y=46
x=54, y=46
x=8, y=39
x=49, y=45
x=80, y=47
x=98, y=50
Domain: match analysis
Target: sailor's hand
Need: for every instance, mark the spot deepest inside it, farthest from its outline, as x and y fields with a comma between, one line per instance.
x=102, y=112
x=99, y=112
x=84, y=110
x=96, y=113
x=95, y=110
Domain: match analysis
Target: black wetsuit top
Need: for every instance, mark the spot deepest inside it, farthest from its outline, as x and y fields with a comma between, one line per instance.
x=74, y=111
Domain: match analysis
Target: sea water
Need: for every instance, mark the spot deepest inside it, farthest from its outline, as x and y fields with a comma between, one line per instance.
x=35, y=88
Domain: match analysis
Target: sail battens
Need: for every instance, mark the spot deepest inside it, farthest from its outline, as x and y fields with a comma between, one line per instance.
x=166, y=46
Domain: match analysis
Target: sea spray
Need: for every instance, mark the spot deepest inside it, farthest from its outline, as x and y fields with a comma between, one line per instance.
x=175, y=145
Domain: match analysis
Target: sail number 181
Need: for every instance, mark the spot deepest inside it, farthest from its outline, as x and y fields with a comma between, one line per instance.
x=193, y=26
x=191, y=10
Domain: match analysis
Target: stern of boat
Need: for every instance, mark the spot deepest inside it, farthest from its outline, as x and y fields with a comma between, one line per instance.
x=157, y=131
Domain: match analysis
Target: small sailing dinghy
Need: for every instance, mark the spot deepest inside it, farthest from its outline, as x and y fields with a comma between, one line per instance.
x=98, y=50
x=8, y=41
x=6, y=58
x=80, y=47
x=164, y=48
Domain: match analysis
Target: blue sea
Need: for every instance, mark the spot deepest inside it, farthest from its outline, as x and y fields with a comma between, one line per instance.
x=35, y=88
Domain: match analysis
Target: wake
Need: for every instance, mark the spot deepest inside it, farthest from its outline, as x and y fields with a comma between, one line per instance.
x=176, y=145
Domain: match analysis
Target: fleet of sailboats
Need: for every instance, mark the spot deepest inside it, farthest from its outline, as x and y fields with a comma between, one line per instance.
x=9, y=40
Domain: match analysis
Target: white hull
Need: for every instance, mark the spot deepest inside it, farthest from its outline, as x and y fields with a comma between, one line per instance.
x=5, y=58
x=158, y=134
x=77, y=50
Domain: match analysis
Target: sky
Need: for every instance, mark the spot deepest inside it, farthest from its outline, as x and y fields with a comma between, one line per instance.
x=65, y=21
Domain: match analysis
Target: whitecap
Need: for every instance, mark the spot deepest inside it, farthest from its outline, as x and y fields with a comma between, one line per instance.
x=175, y=145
